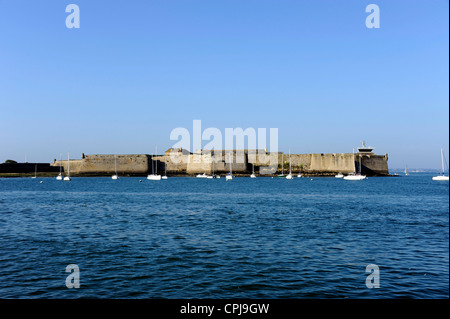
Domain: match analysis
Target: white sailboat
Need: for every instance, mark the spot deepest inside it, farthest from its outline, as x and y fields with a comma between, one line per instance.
x=154, y=176
x=253, y=171
x=165, y=170
x=339, y=175
x=406, y=171
x=289, y=176
x=230, y=174
x=35, y=171
x=441, y=177
x=60, y=177
x=67, y=178
x=115, y=168
x=213, y=175
x=282, y=167
x=358, y=176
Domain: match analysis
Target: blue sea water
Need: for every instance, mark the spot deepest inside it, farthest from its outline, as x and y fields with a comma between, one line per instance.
x=203, y=238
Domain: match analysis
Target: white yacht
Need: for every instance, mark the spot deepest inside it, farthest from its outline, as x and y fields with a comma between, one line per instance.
x=441, y=177
x=60, y=177
x=356, y=176
x=115, y=176
x=154, y=175
x=289, y=176
x=67, y=178
x=282, y=167
x=253, y=171
x=339, y=175
x=165, y=170
x=230, y=174
x=35, y=171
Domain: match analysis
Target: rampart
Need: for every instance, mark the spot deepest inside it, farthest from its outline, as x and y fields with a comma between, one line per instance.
x=242, y=162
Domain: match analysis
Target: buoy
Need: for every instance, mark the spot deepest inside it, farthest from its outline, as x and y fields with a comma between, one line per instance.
x=41, y=182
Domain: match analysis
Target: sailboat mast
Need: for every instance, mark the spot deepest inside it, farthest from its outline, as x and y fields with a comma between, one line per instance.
x=442, y=159
x=290, y=167
x=151, y=159
x=156, y=164
x=68, y=164
x=115, y=164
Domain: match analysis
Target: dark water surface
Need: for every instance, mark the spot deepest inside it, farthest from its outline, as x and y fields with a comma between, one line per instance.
x=202, y=238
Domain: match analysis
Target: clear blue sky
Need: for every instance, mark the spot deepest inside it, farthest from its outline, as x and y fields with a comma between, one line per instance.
x=135, y=70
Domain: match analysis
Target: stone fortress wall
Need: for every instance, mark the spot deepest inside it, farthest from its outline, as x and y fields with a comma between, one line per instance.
x=181, y=162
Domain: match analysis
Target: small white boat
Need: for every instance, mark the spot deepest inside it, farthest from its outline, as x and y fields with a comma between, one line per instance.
x=202, y=175
x=355, y=177
x=339, y=175
x=406, y=171
x=441, y=177
x=253, y=172
x=60, y=177
x=67, y=178
x=154, y=176
x=289, y=176
x=165, y=171
x=299, y=175
x=282, y=167
x=213, y=174
x=358, y=176
x=35, y=171
x=230, y=174
x=115, y=168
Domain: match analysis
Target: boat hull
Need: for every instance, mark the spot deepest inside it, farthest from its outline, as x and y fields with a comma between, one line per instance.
x=355, y=177
x=440, y=178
